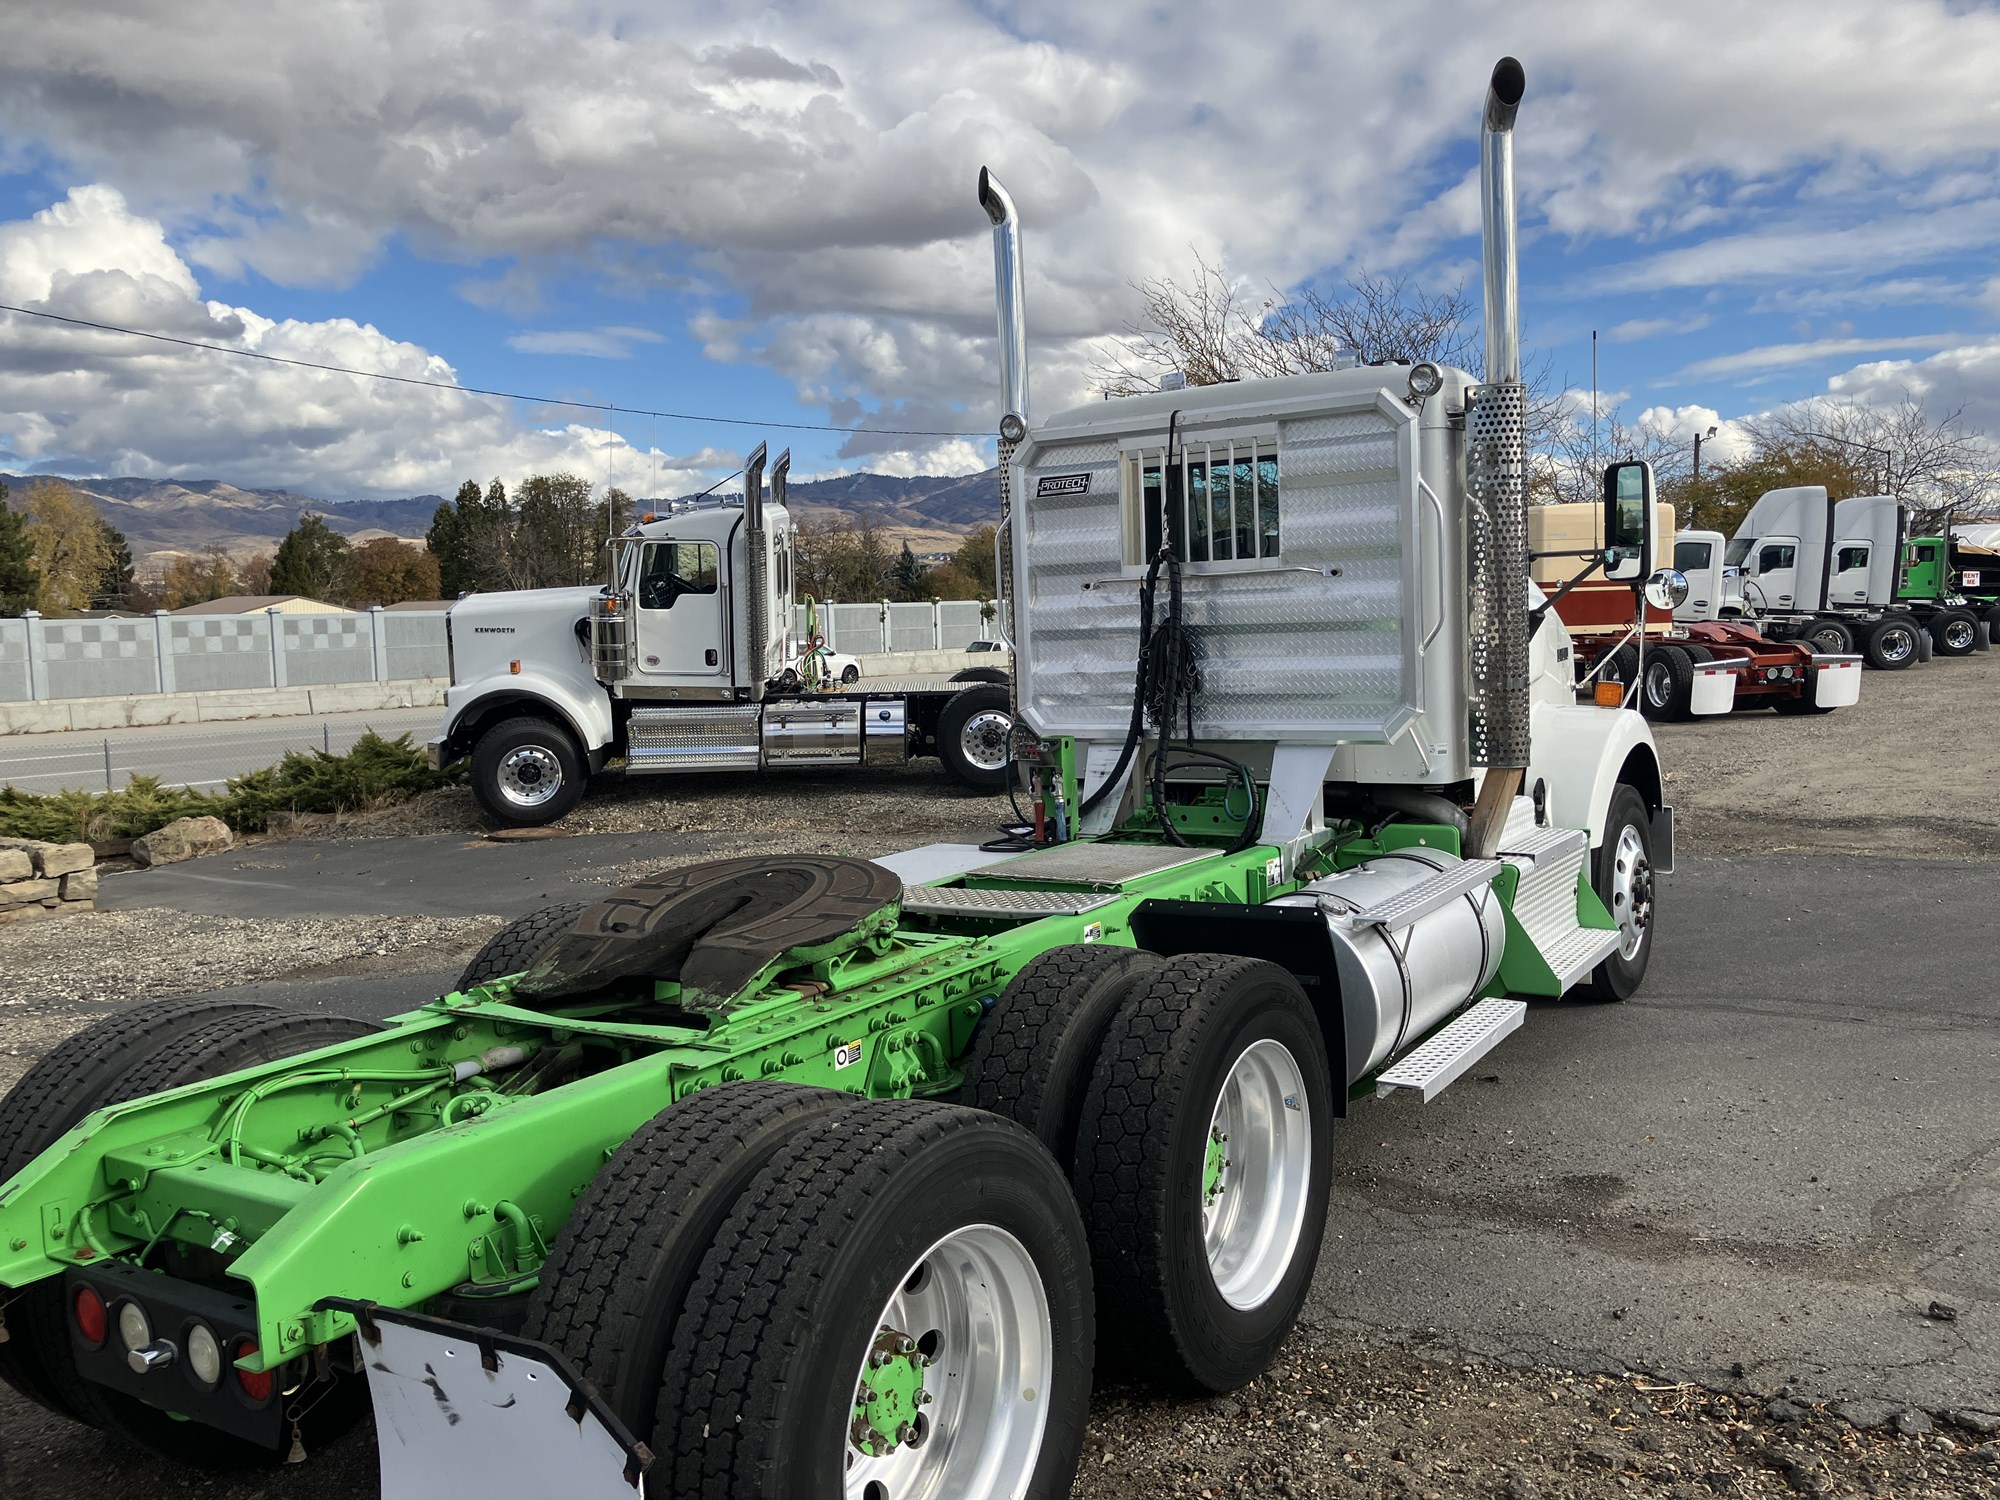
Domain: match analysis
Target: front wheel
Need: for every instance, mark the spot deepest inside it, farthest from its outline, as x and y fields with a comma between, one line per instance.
x=850, y=675
x=899, y=1306
x=1203, y=1164
x=1830, y=637
x=527, y=771
x=1622, y=875
x=973, y=737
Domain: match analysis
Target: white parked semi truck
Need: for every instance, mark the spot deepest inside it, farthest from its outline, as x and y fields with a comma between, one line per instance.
x=1805, y=567
x=684, y=661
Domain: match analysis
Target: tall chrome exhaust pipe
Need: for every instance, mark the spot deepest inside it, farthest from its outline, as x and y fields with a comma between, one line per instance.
x=1496, y=204
x=757, y=615
x=1497, y=490
x=1010, y=292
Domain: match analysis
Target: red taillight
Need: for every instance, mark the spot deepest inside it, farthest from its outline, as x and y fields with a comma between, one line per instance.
x=92, y=1322
x=258, y=1387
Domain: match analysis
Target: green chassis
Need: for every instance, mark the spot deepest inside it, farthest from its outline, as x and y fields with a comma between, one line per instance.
x=363, y=1170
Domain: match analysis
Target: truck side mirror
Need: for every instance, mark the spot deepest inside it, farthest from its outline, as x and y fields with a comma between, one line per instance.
x=1667, y=589
x=1628, y=520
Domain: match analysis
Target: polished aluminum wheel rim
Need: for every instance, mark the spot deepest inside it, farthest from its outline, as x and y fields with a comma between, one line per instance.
x=530, y=775
x=1631, y=891
x=984, y=739
x=1659, y=683
x=974, y=1310
x=1254, y=1208
x=1958, y=634
x=1897, y=643
x=1829, y=642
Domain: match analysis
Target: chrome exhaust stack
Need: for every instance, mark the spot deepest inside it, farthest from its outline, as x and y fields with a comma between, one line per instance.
x=1496, y=488
x=1011, y=297
x=757, y=614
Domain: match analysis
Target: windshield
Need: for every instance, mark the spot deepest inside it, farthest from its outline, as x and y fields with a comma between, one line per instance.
x=1739, y=550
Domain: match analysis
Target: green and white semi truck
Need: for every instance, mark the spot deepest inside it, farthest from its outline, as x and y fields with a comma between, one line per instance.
x=799, y=1177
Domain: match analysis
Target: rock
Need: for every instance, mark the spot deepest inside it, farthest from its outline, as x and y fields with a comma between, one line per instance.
x=16, y=864
x=18, y=891
x=34, y=913
x=1913, y=1423
x=184, y=838
x=1518, y=1488
x=64, y=859
x=1782, y=1410
x=1985, y=1423
x=1941, y=1312
x=80, y=885
x=1867, y=1415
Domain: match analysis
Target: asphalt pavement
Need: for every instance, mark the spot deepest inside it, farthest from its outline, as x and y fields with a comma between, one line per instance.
x=203, y=756
x=1777, y=1166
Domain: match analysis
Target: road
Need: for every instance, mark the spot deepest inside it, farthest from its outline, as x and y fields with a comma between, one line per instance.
x=1761, y=1172
x=203, y=756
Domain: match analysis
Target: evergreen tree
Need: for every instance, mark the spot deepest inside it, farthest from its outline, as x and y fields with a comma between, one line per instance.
x=906, y=577
x=18, y=583
x=314, y=560
x=114, y=584
x=450, y=540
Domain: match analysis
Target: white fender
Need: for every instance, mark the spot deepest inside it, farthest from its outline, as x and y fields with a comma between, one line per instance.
x=1579, y=751
x=585, y=709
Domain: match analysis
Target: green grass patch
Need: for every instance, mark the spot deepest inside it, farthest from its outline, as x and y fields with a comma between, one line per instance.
x=376, y=771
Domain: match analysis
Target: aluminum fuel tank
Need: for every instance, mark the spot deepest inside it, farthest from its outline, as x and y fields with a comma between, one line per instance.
x=1397, y=981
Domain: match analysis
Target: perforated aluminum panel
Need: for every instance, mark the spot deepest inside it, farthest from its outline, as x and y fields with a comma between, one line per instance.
x=1497, y=574
x=1318, y=646
x=1101, y=864
x=956, y=901
x=692, y=739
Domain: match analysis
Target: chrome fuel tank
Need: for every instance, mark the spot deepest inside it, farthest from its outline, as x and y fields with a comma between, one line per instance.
x=1399, y=978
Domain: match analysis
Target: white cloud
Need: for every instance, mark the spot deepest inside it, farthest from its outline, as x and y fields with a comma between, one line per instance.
x=593, y=343
x=1812, y=351
x=107, y=403
x=1635, y=330
x=812, y=164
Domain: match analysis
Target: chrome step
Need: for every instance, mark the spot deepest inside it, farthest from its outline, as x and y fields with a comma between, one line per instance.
x=1435, y=1065
x=1413, y=903
x=1572, y=957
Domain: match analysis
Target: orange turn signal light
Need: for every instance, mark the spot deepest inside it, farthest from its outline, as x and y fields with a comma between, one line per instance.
x=515, y=668
x=1609, y=694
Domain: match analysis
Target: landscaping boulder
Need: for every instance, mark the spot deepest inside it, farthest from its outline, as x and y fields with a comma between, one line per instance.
x=49, y=860
x=80, y=885
x=16, y=864
x=184, y=838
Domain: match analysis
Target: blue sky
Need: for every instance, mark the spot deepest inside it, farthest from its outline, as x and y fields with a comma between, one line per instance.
x=768, y=214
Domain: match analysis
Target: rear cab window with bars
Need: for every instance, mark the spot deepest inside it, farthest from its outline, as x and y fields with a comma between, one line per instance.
x=1218, y=500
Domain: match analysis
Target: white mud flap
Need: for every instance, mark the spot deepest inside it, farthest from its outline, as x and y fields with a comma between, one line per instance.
x=465, y=1411
x=1714, y=690
x=1836, y=681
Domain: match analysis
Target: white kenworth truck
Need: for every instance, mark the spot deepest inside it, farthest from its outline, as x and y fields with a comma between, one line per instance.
x=794, y=1176
x=684, y=661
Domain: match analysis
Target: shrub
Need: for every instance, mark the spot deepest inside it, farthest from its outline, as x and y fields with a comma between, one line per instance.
x=374, y=772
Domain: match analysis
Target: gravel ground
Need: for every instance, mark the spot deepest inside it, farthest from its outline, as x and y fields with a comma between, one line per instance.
x=1348, y=1412
x=1908, y=770
x=58, y=977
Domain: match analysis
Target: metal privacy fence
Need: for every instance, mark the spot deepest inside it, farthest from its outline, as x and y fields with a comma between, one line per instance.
x=869, y=629
x=162, y=653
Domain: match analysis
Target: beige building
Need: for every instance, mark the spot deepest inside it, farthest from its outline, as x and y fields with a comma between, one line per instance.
x=257, y=604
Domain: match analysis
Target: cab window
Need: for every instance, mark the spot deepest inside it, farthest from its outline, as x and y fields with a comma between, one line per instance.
x=1775, y=556
x=1217, y=501
x=1692, y=557
x=1848, y=558
x=1739, y=551
x=672, y=569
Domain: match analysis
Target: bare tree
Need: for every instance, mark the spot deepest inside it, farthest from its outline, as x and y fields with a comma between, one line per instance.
x=1930, y=463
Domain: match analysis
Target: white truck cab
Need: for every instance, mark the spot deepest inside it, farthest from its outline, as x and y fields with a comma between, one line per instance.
x=683, y=661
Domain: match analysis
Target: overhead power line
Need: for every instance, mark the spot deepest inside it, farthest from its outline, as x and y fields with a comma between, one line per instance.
x=474, y=390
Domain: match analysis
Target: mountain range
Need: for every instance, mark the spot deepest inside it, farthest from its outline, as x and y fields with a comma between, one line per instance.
x=163, y=518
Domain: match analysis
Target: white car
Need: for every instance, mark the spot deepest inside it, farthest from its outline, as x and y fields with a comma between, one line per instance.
x=837, y=666
x=979, y=646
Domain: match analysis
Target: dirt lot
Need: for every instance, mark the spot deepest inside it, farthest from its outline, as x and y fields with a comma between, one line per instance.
x=1351, y=1410
x=1909, y=770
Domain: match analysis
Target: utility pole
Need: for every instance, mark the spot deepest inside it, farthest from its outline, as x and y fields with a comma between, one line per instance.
x=1694, y=495
x=1593, y=398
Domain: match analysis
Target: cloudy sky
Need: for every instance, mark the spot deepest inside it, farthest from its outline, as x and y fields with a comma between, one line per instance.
x=767, y=214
